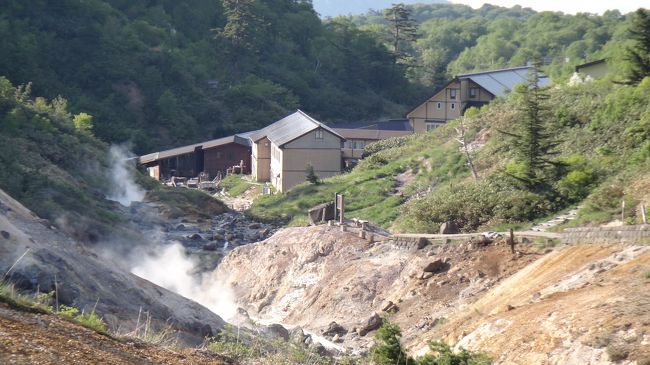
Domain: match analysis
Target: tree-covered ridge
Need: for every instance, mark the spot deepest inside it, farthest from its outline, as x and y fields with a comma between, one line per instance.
x=456, y=39
x=166, y=73
x=163, y=73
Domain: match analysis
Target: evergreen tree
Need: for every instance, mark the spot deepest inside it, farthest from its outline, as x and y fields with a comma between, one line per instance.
x=242, y=32
x=534, y=143
x=389, y=350
x=639, y=56
x=403, y=30
x=311, y=175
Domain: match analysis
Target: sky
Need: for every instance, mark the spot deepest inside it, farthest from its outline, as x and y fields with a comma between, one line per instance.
x=566, y=6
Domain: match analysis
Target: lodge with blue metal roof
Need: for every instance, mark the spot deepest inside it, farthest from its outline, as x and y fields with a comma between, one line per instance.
x=465, y=91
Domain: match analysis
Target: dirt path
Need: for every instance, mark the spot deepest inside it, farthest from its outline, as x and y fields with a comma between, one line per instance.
x=28, y=338
x=242, y=202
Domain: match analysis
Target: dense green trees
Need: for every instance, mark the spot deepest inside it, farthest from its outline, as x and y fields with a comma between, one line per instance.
x=164, y=73
x=456, y=39
x=638, y=55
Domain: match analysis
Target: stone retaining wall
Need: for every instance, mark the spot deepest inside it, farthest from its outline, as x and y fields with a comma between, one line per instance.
x=409, y=243
x=623, y=234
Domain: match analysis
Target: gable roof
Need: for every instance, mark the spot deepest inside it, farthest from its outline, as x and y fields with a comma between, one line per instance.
x=371, y=134
x=592, y=63
x=382, y=125
x=290, y=128
x=496, y=82
x=152, y=157
x=499, y=82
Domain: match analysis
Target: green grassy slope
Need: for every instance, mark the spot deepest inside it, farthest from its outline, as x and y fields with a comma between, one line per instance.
x=61, y=171
x=604, y=134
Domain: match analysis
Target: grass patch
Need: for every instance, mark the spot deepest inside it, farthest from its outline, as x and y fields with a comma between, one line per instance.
x=183, y=201
x=235, y=185
x=617, y=353
x=244, y=346
x=38, y=303
x=646, y=275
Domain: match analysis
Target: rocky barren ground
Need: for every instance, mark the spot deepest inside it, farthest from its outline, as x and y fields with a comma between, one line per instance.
x=562, y=305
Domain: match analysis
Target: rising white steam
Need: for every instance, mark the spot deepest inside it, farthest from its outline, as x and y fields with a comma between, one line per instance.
x=174, y=270
x=123, y=187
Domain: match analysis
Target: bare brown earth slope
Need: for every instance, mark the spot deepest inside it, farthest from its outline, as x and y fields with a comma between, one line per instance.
x=29, y=338
x=582, y=304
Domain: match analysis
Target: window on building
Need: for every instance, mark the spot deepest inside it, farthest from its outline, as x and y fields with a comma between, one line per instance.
x=219, y=155
x=452, y=93
x=473, y=92
x=439, y=106
x=319, y=134
x=432, y=125
x=453, y=106
x=231, y=156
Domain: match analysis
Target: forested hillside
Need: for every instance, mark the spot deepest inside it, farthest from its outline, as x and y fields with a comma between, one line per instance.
x=454, y=39
x=163, y=73
x=332, y=8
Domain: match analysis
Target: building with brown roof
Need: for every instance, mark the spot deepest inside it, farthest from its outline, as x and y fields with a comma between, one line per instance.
x=212, y=157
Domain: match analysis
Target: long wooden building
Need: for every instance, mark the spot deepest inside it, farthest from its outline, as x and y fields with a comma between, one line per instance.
x=210, y=157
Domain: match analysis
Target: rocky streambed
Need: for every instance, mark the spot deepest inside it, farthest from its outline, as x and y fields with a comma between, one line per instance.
x=207, y=239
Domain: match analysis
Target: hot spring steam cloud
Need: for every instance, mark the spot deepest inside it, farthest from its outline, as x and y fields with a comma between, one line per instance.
x=174, y=270
x=123, y=187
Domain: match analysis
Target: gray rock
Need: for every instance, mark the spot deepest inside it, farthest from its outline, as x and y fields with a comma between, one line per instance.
x=276, y=331
x=449, y=228
x=254, y=226
x=5, y=234
x=195, y=237
x=297, y=335
x=334, y=329
x=211, y=246
x=318, y=348
x=436, y=266
x=370, y=324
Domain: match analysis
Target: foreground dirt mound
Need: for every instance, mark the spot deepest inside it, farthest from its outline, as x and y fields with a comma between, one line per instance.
x=27, y=338
x=42, y=258
x=314, y=276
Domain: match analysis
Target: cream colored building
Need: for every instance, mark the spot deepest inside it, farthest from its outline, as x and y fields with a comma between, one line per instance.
x=594, y=70
x=282, y=151
x=464, y=91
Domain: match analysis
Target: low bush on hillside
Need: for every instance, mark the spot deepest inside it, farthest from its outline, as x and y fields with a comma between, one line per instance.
x=442, y=354
x=389, y=351
x=473, y=204
x=41, y=303
x=246, y=347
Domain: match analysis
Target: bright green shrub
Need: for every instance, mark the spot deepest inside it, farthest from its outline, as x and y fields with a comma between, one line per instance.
x=444, y=355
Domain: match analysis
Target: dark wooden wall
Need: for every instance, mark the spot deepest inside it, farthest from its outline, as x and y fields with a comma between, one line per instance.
x=222, y=157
